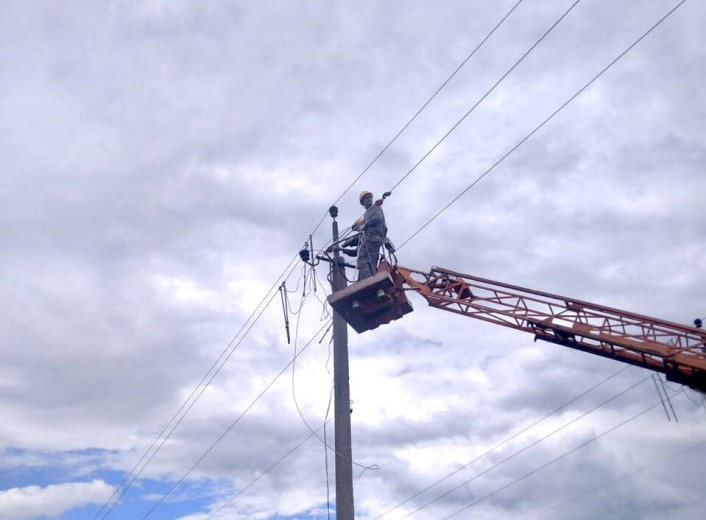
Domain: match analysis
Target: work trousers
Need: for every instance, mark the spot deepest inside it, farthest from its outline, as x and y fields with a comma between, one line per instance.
x=368, y=258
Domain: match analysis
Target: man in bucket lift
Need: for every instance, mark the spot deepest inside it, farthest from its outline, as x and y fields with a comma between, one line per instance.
x=372, y=234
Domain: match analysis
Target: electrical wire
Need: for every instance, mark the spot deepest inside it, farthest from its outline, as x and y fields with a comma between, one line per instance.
x=326, y=420
x=661, y=460
x=484, y=96
x=301, y=414
x=304, y=293
x=421, y=109
x=124, y=486
x=311, y=434
x=531, y=445
x=131, y=477
x=523, y=140
x=181, y=418
x=528, y=136
x=189, y=402
x=512, y=150
x=556, y=459
x=506, y=441
x=228, y=429
x=270, y=468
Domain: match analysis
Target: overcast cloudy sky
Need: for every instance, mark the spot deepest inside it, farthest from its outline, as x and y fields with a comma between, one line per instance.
x=162, y=162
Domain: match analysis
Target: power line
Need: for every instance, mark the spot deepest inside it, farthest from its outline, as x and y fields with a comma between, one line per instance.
x=661, y=460
x=421, y=109
x=556, y=459
x=522, y=141
x=188, y=403
x=273, y=294
x=328, y=490
x=196, y=389
x=229, y=428
x=306, y=423
x=438, y=143
x=531, y=445
x=299, y=411
x=506, y=441
x=270, y=468
x=181, y=418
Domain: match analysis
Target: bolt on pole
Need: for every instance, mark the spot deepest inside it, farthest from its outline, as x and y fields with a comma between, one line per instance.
x=342, y=400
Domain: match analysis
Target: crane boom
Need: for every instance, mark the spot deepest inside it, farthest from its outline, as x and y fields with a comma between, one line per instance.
x=676, y=350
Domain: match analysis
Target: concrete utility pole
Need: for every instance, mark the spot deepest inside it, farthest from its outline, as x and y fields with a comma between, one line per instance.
x=342, y=399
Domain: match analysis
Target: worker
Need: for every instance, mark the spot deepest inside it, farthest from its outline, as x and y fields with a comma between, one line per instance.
x=372, y=232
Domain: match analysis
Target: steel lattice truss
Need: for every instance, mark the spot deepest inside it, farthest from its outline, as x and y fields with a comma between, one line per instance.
x=676, y=350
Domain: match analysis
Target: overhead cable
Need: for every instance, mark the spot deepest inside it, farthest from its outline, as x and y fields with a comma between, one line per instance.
x=554, y=460
x=527, y=53
x=230, y=427
x=531, y=445
x=270, y=468
x=604, y=485
x=301, y=414
x=190, y=401
x=421, y=109
x=157, y=444
x=506, y=441
x=527, y=137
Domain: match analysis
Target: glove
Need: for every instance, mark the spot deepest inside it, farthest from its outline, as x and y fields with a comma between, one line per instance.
x=358, y=224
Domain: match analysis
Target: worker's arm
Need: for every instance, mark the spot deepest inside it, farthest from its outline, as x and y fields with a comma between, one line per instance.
x=351, y=242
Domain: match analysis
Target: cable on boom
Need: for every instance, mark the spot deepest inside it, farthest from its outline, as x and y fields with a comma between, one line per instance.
x=664, y=397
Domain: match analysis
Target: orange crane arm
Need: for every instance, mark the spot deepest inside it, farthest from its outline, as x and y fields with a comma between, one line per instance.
x=676, y=350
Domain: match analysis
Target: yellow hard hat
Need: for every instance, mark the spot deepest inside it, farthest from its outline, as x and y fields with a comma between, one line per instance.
x=364, y=193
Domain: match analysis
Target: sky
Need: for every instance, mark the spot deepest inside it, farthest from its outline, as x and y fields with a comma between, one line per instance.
x=163, y=161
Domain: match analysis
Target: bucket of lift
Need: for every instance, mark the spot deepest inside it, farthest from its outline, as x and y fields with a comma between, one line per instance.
x=374, y=301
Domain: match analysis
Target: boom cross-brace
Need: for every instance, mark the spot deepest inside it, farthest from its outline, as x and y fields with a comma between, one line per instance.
x=678, y=351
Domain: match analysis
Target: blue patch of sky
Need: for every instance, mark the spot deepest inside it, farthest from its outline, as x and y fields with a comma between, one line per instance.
x=32, y=468
x=23, y=468
x=320, y=514
x=143, y=495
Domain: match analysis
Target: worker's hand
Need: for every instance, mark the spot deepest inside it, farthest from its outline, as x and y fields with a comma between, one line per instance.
x=358, y=224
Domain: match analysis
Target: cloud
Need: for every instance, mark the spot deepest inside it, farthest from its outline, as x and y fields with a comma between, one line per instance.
x=51, y=501
x=163, y=161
